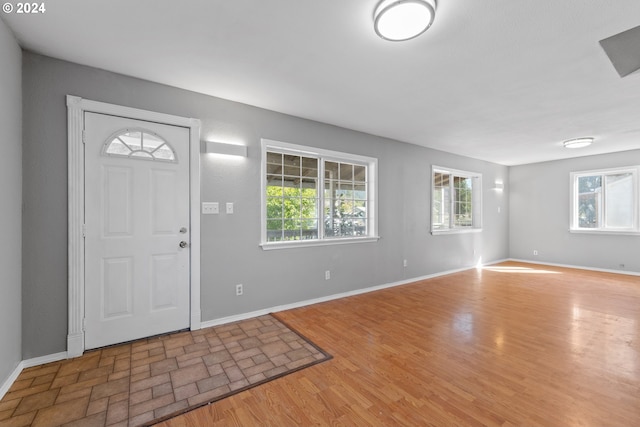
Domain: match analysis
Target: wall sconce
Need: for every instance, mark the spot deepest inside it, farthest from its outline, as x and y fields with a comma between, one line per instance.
x=224, y=148
x=499, y=185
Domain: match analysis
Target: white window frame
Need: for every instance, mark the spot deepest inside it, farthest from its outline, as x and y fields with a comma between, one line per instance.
x=476, y=201
x=322, y=155
x=574, y=211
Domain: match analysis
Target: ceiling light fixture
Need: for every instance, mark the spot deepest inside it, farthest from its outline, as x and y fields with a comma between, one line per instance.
x=578, y=142
x=399, y=20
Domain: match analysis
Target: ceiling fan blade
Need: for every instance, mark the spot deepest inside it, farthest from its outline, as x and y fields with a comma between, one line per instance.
x=623, y=50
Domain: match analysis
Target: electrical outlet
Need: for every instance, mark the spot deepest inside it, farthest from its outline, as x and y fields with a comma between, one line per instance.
x=327, y=275
x=229, y=207
x=239, y=290
x=404, y=263
x=535, y=252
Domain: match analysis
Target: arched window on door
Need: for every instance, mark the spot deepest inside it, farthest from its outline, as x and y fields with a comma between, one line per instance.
x=139, y=144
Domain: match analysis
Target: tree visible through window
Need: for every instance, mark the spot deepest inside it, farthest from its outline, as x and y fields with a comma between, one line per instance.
x=292, y=197
x=317, y=195
x=605, y=200
x=345, y=199
x=455, y=203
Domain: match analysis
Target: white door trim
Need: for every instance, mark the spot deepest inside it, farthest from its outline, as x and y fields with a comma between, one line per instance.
x=76, y=107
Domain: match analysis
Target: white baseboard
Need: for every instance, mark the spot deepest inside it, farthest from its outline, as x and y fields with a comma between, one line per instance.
x=75, y=344
x=45, y=359
x=261, y=312
x=6, y=385
x=577, y=267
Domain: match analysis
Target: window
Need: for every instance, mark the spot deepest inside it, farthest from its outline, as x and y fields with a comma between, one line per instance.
x=605, y=200
x=456, y=201
x=314, y=196
x=139, y=144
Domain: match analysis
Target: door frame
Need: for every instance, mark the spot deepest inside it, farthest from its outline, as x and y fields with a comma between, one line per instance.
x=76, y=107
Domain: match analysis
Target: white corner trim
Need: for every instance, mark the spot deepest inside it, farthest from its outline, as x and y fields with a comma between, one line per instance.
x=76, y=107
x=262, y=312
x=75, y=187
x=6, y=385
x=195, y=126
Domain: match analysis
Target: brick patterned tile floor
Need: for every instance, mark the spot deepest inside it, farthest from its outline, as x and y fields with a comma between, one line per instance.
x=136, y=383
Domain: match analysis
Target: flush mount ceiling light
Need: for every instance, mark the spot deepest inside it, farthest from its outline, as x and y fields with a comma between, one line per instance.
x=578, y=142
x=399, y=20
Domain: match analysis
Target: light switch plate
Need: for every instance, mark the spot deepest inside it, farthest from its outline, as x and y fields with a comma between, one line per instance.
x=209, y=208
x=229, y=207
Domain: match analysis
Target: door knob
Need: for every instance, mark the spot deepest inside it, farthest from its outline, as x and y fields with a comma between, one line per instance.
x=183, y=244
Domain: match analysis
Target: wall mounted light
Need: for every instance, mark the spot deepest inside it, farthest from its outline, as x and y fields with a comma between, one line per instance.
x=578, y=142
x=399, y=20
x=224, y=148
x=499, y=185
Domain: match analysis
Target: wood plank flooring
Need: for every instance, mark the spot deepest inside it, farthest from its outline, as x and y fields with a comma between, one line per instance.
x=512, y=344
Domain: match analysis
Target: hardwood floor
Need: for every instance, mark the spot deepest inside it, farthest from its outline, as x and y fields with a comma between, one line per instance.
x=513, y=344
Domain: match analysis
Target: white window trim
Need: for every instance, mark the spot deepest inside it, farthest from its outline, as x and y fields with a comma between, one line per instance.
x=573, y=186
x=325, y=155
x=477, y=193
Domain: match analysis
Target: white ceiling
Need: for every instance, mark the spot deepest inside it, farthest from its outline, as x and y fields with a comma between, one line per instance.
x=502, y=80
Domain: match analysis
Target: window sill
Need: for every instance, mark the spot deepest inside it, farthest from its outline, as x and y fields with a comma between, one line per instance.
x=456, y=231
x=608, y=232
x=308, y=243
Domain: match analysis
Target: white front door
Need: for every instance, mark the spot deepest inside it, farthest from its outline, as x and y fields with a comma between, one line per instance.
x=137, y=229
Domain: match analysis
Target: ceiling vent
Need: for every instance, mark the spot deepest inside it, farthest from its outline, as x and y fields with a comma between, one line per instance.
x=623, y=50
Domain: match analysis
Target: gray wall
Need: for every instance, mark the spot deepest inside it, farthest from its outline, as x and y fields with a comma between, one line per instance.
x=230, y=252
x=11, y=196
x=540, y=203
